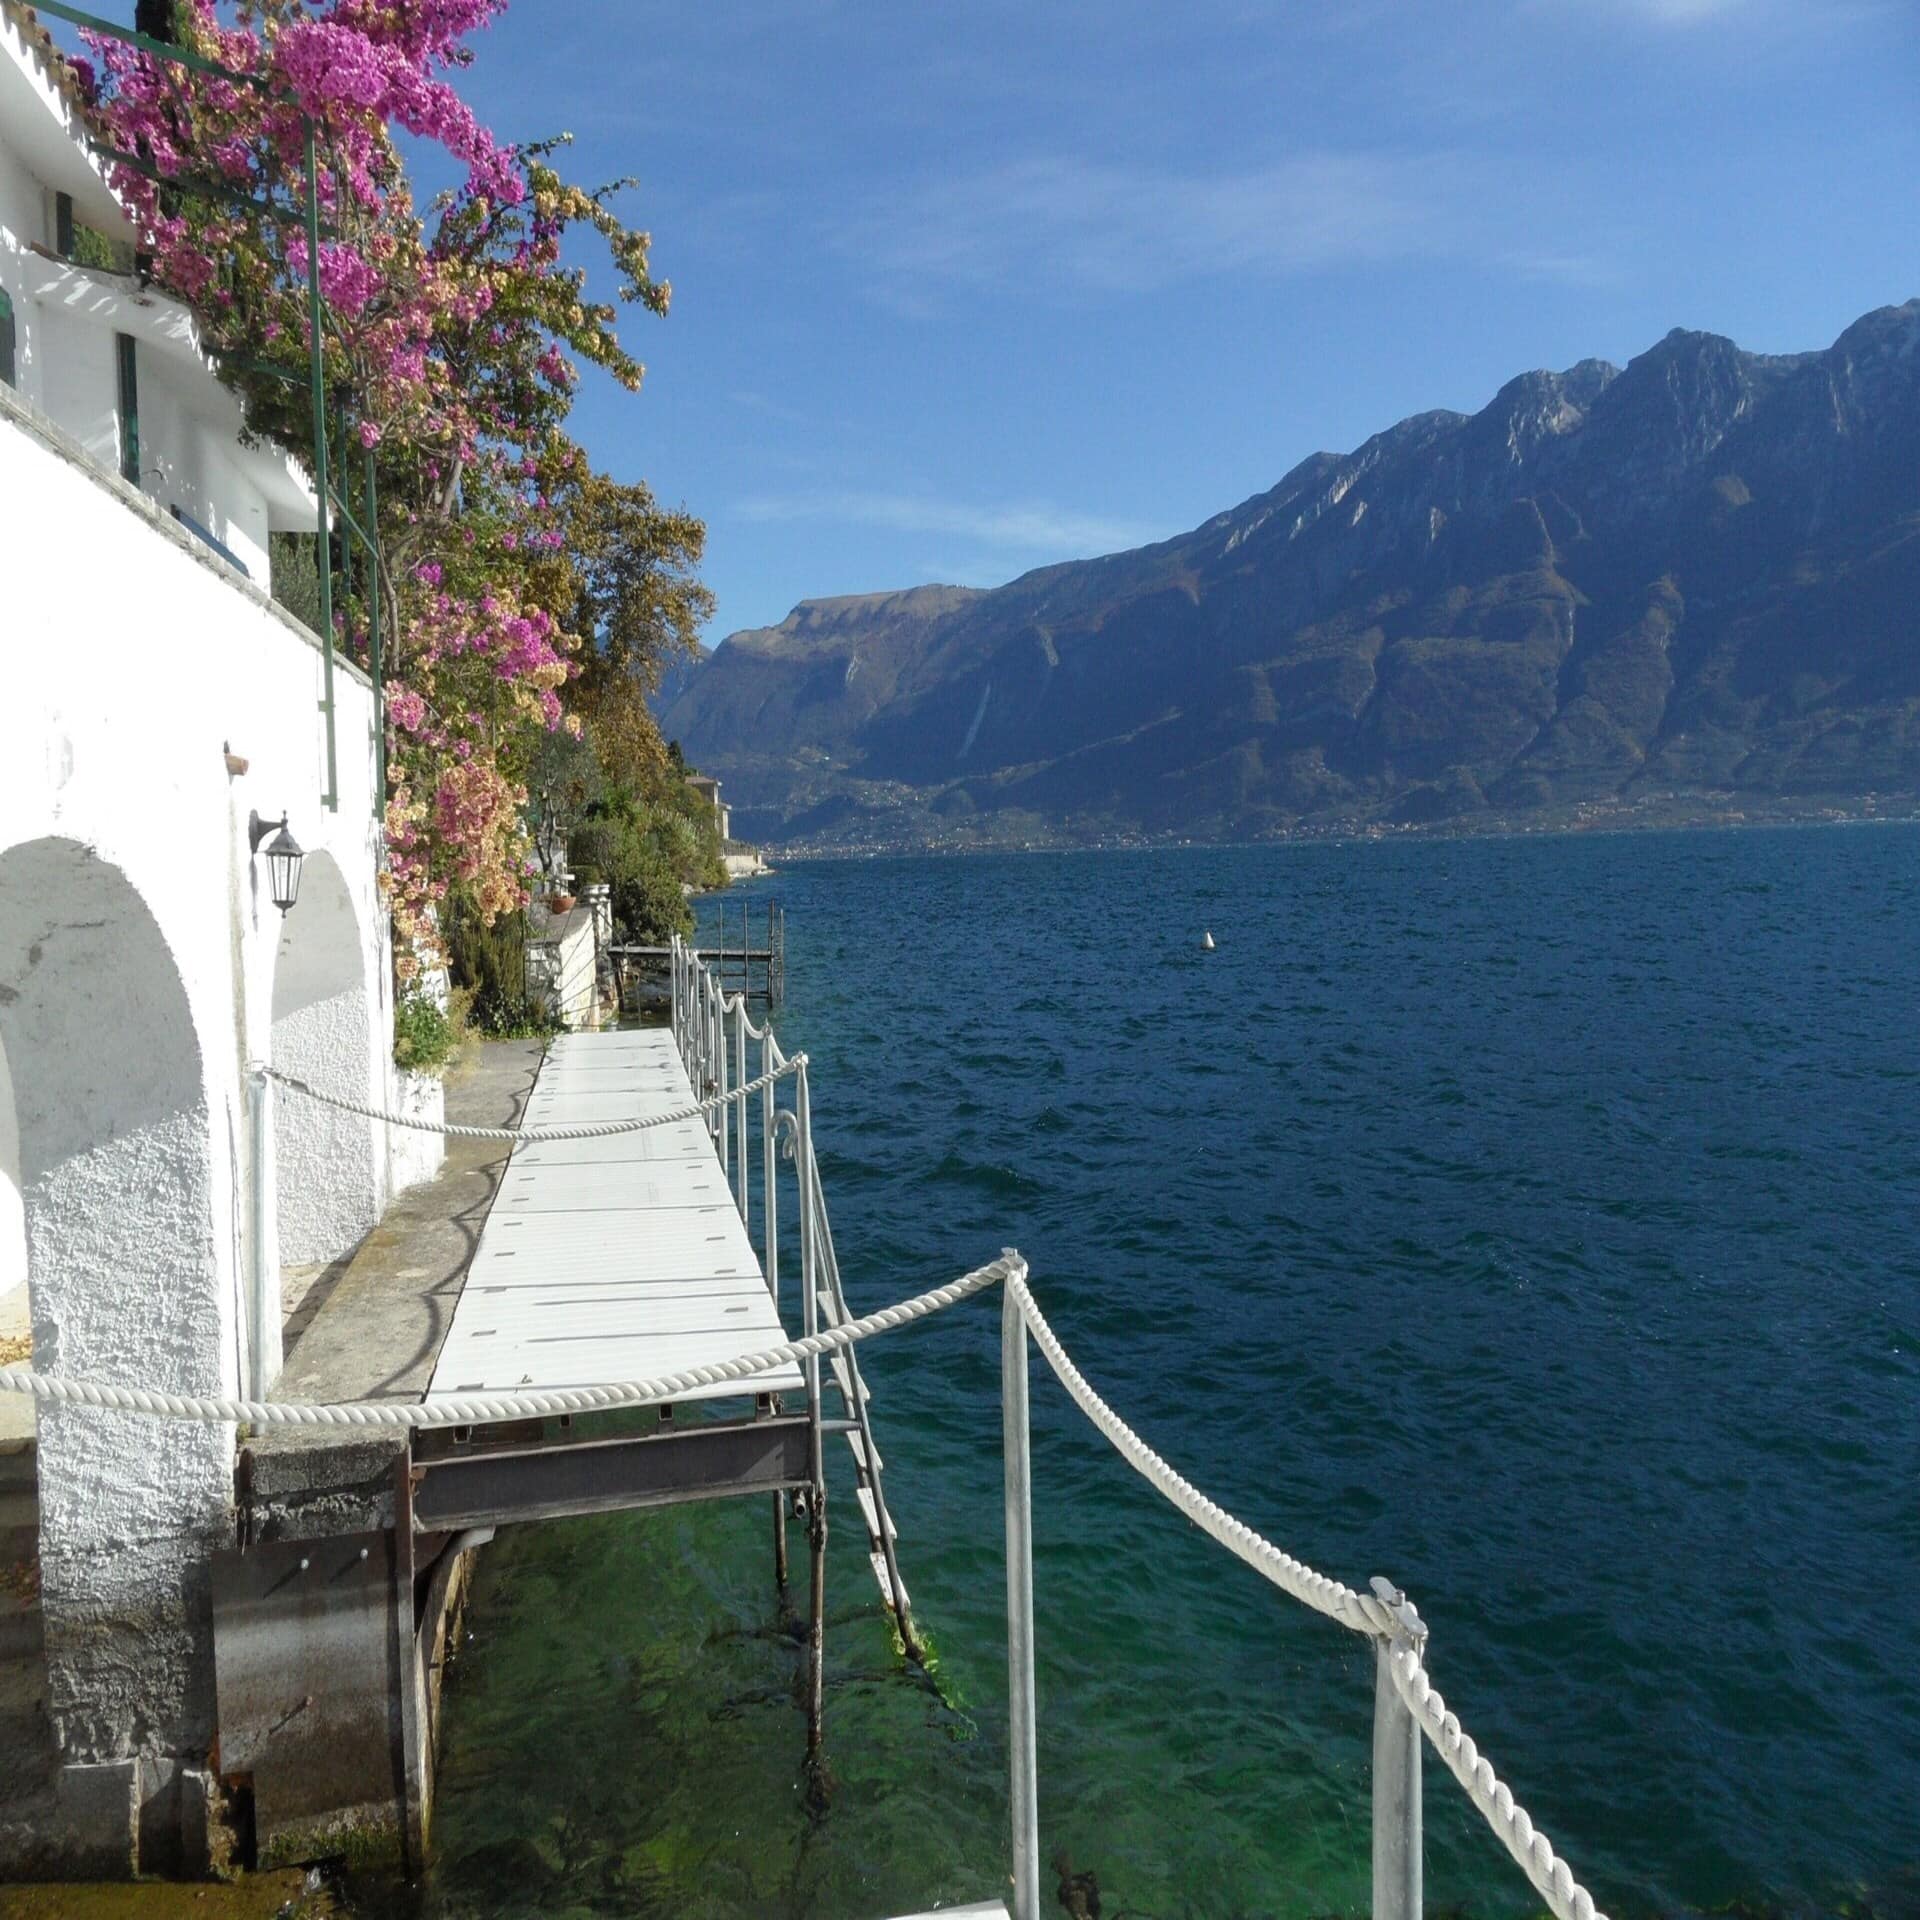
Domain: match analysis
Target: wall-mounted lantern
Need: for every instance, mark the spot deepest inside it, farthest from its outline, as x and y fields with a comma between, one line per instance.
x=284, y=855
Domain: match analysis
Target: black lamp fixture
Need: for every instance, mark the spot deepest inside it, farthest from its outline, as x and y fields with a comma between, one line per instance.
x=284, y=855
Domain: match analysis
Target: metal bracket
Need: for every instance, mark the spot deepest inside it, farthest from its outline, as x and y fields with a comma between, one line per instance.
x=1402, y=1609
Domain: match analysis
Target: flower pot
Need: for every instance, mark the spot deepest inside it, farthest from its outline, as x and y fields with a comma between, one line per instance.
x=560, y=902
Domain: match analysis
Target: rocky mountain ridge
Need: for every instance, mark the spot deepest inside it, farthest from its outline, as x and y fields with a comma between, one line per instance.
x=1699, y=573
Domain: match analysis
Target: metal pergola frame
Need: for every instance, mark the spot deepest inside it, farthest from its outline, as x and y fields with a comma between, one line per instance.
x=332, y=505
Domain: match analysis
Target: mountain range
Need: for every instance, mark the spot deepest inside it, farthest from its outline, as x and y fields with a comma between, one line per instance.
x=1691, y=583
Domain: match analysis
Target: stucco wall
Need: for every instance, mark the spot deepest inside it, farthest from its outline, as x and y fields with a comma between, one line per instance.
x=329, y=1184
x=413, y=1155
x=66, y=320
x=562, y=962
x=79, y=386
x=21, y=218
x=133, y=662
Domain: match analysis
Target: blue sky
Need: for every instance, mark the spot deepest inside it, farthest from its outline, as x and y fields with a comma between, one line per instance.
x=961, y=289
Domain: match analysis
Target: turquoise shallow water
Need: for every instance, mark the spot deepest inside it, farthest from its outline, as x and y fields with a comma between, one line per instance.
x=1532, y=1221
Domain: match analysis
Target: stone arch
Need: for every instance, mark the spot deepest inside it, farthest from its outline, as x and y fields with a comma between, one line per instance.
x=326, y=1163
x=111, y=1135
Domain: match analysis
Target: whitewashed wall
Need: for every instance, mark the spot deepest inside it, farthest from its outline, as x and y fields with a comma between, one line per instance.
x=562, y=964
x=67, y=320
x=139, y=965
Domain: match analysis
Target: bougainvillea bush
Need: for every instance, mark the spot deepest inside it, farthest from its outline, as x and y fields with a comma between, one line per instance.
x=453, y=333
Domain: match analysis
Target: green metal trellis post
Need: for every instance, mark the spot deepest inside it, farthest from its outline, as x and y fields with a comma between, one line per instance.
x=370, y=506
x=317, y=364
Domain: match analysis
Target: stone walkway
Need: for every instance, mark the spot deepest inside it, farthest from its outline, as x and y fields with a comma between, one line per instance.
x=370, y=1327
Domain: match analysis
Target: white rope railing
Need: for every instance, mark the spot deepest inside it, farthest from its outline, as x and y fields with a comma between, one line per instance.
x=701, y=1011
x=1512, y=1825
x=535, y=1136
x=480, y=1410
x=1363, y=1613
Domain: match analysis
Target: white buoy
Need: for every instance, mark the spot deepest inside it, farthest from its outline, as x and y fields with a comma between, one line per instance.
x=1206, y=942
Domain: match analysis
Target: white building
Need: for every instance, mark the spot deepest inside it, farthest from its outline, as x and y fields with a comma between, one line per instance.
x=708, y=789
x=115, y=366
x=153, y=698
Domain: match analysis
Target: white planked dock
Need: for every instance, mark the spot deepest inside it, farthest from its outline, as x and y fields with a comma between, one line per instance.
x=614, y=1259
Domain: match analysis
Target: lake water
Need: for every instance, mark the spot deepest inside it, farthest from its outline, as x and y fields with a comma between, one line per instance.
x=1532, y=1221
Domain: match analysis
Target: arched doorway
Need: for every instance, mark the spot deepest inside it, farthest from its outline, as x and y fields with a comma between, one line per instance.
x=326, y=1179
x=112, y=1146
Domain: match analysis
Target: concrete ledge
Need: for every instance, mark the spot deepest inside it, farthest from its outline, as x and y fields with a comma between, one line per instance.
x=294, y=1460
x=99, y=1814
x=178, y=1817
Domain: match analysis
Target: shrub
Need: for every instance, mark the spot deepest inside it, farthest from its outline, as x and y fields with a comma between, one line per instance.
x=427, y=1035
x=622, y=845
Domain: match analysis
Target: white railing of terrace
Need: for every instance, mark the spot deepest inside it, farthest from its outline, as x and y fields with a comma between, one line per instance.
x=713, y=1029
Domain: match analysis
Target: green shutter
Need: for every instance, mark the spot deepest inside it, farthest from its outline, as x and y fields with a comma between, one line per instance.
x=7, y=372
x=129, y=410
x=63, y=225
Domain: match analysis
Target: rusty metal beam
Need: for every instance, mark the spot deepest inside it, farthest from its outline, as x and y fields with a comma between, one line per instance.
x=499, y=1486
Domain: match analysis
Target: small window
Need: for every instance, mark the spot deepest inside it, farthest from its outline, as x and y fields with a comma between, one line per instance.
x=7, y=372
x=63, y=225
x=129, y=410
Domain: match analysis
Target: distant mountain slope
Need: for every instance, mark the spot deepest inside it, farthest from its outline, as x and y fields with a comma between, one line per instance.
x=1701, y=572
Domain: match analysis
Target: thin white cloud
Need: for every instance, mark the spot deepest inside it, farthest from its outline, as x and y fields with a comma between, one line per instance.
x=750, y=401
x=1657, y=13
x=1024, y=526
x=1116, y=228
x=1683, y=13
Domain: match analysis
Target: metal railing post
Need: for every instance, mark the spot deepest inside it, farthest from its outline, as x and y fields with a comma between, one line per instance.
x=1397, y=1841
x=263, y=1338
x=1023, y=1751
x=724, y=1112
x=740, y=1109
x=817, y=1491
x=809, y=1250
x=720, y=1081
x=717, y=1068
x=770, y=1165
x=703, y=1041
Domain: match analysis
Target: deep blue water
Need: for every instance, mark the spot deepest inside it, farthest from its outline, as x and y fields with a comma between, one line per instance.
x=1532, y=1221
